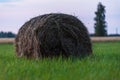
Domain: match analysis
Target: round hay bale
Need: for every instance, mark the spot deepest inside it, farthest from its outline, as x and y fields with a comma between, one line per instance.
x=53, y=35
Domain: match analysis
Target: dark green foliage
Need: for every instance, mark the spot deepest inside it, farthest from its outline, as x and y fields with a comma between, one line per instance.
x=114, y=35
x=7, y=34
x=52, y=35
x=100, y=24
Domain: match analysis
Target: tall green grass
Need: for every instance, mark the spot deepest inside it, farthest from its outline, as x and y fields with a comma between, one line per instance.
x=103, y=65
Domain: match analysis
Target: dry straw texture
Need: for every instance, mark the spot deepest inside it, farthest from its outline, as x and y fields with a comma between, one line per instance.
x=53, y=35
x=6, y=40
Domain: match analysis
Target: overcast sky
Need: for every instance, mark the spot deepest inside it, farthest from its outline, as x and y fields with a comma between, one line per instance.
x=14, y=13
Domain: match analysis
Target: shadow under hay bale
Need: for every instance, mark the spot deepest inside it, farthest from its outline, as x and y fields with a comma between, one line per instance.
x=53, y=35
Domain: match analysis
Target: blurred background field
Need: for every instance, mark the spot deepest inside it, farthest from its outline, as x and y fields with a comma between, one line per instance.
x=93, y=39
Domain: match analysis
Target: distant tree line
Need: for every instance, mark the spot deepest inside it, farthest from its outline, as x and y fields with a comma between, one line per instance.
x=7, y=34
x=109, y=35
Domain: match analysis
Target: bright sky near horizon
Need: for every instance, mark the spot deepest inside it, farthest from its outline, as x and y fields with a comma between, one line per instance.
x=14, y=13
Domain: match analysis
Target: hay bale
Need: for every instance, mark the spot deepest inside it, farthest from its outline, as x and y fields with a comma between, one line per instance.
x=53, y=35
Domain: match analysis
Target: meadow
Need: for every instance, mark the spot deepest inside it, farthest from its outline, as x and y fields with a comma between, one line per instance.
x=104, y=64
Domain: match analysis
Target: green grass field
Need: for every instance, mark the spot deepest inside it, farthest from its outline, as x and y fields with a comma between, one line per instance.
x=104, y=65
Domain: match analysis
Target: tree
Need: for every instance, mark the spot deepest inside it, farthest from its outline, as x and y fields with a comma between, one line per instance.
x=100, y=24
x=7, y=34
